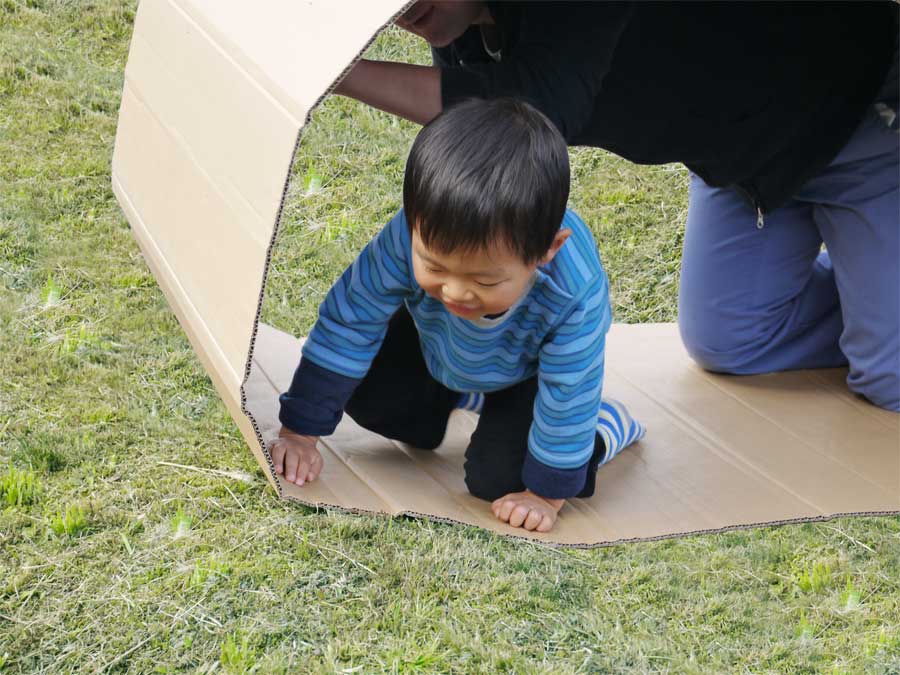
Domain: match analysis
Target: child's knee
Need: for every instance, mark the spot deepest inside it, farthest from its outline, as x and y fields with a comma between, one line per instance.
x=491, y=490
x=424, y=431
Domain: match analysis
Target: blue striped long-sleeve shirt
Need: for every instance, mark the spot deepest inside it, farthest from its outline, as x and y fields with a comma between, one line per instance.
x=556, y=331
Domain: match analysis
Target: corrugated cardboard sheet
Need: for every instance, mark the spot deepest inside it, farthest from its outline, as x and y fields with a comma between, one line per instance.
x=216, y=93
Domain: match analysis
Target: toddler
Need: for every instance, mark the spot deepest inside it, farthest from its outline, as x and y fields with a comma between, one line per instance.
x=484, y=292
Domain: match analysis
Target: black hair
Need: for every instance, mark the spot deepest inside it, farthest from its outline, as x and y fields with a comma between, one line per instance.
x=488, y=170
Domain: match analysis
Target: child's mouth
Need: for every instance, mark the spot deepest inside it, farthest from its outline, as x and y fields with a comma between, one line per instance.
x=459, y=309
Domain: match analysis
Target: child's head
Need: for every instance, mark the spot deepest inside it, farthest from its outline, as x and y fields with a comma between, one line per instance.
x=484, y=194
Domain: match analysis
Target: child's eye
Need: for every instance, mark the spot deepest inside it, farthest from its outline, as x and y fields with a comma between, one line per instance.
x=433, y=270
x=496, y=283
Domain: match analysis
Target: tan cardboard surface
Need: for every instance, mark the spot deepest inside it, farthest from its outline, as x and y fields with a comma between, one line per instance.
x=216, y=93
x=720, y=451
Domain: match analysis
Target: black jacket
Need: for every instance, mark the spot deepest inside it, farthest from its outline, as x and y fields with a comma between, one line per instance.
x=756, y=95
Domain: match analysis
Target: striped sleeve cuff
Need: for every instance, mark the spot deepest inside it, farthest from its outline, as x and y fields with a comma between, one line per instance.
x=315, y=402
x=552, y=483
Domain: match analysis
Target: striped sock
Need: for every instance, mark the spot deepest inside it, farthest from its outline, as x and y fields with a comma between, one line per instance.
x=617, y=428
x=473, y=401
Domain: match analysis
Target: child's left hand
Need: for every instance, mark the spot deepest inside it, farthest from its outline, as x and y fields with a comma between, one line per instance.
x=528, y=510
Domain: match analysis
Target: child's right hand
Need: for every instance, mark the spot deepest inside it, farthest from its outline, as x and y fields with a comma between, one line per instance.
x=296, y=457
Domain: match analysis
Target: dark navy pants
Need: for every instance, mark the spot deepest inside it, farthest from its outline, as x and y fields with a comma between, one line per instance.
x=399, y=399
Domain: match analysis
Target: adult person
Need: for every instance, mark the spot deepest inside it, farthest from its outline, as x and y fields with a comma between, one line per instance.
x=785, y=114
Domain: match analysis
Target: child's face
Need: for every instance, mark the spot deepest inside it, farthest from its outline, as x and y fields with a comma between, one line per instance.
x=471, y=284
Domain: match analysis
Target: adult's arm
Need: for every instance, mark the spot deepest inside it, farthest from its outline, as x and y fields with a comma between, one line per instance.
x=405, y=89
x=560, y=55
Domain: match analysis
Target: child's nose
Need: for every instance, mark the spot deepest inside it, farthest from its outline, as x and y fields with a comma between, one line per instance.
x=455, y=291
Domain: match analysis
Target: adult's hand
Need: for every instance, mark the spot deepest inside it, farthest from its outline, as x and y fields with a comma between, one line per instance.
x=407, y=90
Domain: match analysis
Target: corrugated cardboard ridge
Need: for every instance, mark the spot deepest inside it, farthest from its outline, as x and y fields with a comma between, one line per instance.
x=690, y=475
x=257, y=442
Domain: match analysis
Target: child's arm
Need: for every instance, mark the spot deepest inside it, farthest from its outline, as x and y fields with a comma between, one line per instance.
x=562, y=436
x=350, y=328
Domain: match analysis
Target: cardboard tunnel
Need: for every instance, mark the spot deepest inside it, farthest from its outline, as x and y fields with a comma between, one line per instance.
x=213, y=106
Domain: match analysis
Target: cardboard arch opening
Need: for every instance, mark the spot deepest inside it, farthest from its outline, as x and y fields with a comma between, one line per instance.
x=215, y=100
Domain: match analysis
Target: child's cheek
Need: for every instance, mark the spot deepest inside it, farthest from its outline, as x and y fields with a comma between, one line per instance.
x=419, y=276
x=425, y=279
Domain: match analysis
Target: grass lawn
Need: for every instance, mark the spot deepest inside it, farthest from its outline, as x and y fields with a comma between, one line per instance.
x=114, y=559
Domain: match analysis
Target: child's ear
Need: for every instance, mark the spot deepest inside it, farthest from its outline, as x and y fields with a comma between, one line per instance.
x=558, y=241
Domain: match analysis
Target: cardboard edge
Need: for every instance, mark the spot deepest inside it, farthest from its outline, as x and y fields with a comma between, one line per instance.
x=259, y=441
x=531, y=540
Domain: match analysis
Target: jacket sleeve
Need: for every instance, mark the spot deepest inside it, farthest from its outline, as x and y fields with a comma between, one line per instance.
x=562, y=53
x=570, y=380
x=352, y=323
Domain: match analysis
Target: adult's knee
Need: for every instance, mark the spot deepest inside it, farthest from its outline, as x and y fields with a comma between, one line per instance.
x=714, y=346
x=758, y=343
x=881, y=386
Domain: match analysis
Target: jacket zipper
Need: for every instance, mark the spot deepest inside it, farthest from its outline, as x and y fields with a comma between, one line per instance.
x=750, y=195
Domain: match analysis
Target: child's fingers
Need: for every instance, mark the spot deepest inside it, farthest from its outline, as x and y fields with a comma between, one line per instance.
x=547, y=523
x=302, y=471
x=533, y=520
x=518, y=515
x=276, y=450
x=291, y=459
x=315, y=467
x=505, y=510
